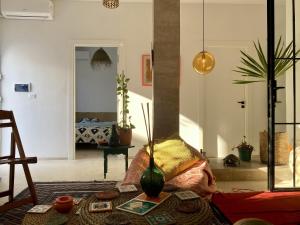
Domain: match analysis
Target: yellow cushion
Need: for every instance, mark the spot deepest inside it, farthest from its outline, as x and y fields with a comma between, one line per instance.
x=173, y=157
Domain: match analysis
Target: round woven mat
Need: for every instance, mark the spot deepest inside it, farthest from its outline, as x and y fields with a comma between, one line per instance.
x=42, y=219
x=117, y=219
x=202, y=216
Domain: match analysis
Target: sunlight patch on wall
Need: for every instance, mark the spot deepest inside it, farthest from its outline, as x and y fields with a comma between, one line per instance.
x=222, y=145
x=191, y=132
x=137, y=118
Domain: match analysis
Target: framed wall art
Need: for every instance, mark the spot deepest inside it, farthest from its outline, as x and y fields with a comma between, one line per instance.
x=146, y=70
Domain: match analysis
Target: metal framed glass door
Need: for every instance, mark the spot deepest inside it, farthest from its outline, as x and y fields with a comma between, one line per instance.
x=283, y=97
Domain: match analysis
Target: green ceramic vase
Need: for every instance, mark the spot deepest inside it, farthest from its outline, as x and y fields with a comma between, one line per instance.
x=114, y=139
x=152, y=180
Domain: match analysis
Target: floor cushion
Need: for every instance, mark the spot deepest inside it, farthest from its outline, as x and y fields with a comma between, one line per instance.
x=198, y=177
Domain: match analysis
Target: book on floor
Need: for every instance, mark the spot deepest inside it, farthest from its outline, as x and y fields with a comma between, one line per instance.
x=40, y=209
x=100, y=206
x=142, y=204
x=137, y=206
x=127, y=188
x=162, y=218
x=186, y=195
x=161, y=198
x=77, y=200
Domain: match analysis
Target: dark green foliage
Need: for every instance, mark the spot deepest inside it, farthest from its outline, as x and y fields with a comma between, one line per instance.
x=122, y=91
x=257, y=69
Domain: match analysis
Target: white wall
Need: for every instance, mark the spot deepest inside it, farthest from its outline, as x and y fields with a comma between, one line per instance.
x=96, y=87
x=211, y=101
x=40, y=52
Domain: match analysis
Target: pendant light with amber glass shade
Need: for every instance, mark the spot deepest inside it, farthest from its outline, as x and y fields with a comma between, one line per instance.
x=204, y=62
x=111, y=4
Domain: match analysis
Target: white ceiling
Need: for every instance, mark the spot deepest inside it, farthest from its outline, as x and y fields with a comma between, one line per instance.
x=194, y=1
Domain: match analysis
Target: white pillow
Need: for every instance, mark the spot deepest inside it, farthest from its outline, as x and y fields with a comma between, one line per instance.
x=94, y=120
x=85, y=120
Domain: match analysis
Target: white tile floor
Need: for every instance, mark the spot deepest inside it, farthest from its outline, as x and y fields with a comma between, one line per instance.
x=89, y=166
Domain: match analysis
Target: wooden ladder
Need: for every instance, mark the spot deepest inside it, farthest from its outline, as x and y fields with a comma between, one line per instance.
x=7, y=119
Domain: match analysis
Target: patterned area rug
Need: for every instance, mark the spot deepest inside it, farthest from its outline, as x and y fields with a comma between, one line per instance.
x=48, y=191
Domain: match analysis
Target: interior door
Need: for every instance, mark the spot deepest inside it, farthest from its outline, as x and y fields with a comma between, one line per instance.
x=225, y=104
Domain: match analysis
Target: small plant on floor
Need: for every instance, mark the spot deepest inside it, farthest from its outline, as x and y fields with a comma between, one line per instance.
x=245, y=150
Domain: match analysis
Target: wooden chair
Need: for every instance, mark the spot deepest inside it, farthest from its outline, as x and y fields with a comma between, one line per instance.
x=7, y=120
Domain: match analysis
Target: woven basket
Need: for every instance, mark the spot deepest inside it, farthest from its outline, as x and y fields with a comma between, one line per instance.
x=281, y=147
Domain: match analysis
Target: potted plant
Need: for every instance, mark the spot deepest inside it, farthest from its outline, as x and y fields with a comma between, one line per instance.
x=124, y=126
x=255, y=69
x=245, y=150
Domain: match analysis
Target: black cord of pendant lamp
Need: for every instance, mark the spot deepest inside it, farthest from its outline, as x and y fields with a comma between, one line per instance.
x=204, y=61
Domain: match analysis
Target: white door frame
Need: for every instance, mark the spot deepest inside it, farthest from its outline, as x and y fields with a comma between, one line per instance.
x=71, y=106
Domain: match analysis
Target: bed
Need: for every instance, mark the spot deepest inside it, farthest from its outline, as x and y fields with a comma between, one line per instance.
x=94, y=128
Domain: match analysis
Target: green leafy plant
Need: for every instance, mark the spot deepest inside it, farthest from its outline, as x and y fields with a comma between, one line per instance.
x=244, y=146
x=257, y=69
x=122, y=91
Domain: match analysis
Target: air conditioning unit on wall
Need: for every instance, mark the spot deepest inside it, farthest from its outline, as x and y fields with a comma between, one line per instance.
x=27, y=9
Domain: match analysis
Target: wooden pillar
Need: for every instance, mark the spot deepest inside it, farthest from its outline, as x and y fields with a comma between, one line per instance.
x=166, y=67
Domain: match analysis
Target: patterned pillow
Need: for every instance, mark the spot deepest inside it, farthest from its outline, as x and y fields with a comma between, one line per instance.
x=94, y=120
x=173, y=157
x=85, y=120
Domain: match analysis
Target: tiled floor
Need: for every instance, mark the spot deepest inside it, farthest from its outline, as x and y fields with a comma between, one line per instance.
x=254, y=172
x=89, y=166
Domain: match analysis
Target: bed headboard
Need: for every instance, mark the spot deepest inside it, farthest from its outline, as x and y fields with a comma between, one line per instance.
x=102, y=116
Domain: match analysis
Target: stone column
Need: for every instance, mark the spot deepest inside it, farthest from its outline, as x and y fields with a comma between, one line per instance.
x=166, y=67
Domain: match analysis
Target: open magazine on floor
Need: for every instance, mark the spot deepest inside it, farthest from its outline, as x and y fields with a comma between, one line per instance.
x=143, y=204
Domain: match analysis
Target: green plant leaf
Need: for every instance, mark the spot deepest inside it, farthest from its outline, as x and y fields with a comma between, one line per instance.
x=246, y=81
x=248, y=72
x=254, y=69
x=122, y=91
x=261, y=56
x=251, y=61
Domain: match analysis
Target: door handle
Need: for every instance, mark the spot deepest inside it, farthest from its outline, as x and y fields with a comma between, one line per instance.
x=243, y=104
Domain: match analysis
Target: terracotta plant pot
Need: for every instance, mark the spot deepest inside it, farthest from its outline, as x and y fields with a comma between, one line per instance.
x=63, y=204
x=125, y=136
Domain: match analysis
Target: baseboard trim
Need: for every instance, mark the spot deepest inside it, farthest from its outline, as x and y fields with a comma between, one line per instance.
x=52, y=158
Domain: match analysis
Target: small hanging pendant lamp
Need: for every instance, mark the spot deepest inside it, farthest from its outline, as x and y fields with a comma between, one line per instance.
x=100, y=58
x=204, y=62
x=111, y=4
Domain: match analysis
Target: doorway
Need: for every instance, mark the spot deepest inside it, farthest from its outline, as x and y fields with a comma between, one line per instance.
x=95, y=97
x=91, y=100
